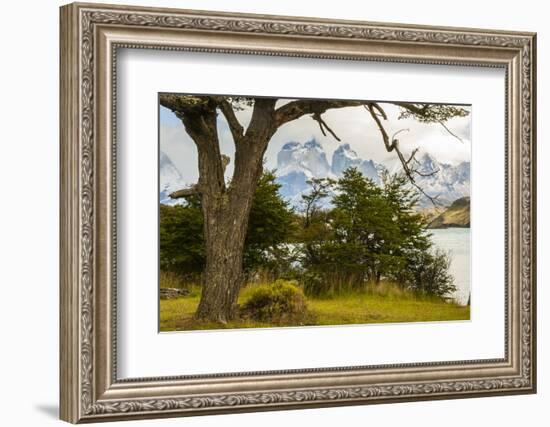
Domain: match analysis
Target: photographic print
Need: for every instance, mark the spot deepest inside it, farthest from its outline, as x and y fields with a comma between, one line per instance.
x=307, y=212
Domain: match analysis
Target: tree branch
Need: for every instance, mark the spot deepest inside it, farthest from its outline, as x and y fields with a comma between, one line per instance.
x=390, y=146
x=415, y=109
x=380, y=110
x=237, y=131
x=393, y=145
x=412, y=156
x=296, y=109
x=195, y=189
x=442, y=123
x=181, y=104
x=323, y=125
x=185, y=192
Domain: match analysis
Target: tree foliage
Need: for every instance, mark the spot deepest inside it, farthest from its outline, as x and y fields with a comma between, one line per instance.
x=371, y=232
x=271, y=223
x=181, y=238
x=427, y=272
x=432, y=113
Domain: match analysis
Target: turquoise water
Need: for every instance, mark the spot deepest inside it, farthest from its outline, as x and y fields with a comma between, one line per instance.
x=457, y=242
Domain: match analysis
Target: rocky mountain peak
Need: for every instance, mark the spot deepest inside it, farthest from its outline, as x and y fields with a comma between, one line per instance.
x=343, y=158
x=308, y=158
x=170, y=179
x=298, y=162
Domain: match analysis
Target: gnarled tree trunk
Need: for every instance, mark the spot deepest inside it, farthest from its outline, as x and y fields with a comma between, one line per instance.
x=225, y=209
x=226, y=216
x=226, y=222
x=225, y=232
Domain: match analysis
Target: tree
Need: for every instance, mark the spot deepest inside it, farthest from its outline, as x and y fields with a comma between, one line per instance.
x=181, y=238
x=366, y=234
x=320, y=189
x=271, y=223
x=371, y=232
x=182, y=248
x=427, y=272
x=411, y=236
x=314, y=230
x=226, y=208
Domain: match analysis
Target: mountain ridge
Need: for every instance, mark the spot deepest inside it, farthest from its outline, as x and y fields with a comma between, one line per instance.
x=298, y=162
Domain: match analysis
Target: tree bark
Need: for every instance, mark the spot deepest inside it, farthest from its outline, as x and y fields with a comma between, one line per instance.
x=223, y=276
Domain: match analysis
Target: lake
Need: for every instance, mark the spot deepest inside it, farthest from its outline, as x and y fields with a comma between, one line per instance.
x=457, y=242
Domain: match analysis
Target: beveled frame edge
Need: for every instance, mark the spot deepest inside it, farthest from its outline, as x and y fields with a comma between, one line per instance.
x=88, y=390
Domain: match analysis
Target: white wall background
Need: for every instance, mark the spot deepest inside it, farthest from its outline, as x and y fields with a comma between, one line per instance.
x=29, y=170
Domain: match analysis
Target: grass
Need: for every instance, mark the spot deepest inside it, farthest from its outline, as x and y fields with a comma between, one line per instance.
x=384, y=304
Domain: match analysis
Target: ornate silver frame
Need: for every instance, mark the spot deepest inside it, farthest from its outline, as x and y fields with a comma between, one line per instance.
x=90, y=35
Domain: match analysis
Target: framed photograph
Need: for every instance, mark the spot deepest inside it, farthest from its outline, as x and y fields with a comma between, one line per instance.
x=266, y=212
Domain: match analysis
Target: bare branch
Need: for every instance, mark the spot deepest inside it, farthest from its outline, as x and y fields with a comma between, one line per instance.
x=323, y=125
x=185, y=192
x=425, y=174
x=380, y=110
x=398, y=132
x=413, y=154
x=195, y=189
x=295, y=109
x=393, y=145
x=385, y=138
x=442, y=123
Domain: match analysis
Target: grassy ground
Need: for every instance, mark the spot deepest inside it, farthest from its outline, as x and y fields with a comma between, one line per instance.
x=384, y=305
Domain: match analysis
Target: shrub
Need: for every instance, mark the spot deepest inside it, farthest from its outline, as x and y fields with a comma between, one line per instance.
x=280, y=302
x=428, y=273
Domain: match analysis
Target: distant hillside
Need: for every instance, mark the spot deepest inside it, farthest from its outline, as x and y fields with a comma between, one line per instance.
x=456, y=215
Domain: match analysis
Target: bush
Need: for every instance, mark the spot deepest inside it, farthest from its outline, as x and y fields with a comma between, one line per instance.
x=280, y=302
x=428, y=273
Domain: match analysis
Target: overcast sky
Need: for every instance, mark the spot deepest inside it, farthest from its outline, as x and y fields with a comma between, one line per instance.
x=352, y=124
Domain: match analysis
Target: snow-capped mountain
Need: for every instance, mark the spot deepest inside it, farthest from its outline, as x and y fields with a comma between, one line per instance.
x=297, y=163
x=309, y=158
x=170, y=179
x=448, y=183
x=344, y=157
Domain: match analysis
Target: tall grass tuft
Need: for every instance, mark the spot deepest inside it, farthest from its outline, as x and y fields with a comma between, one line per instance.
x=169, y=279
